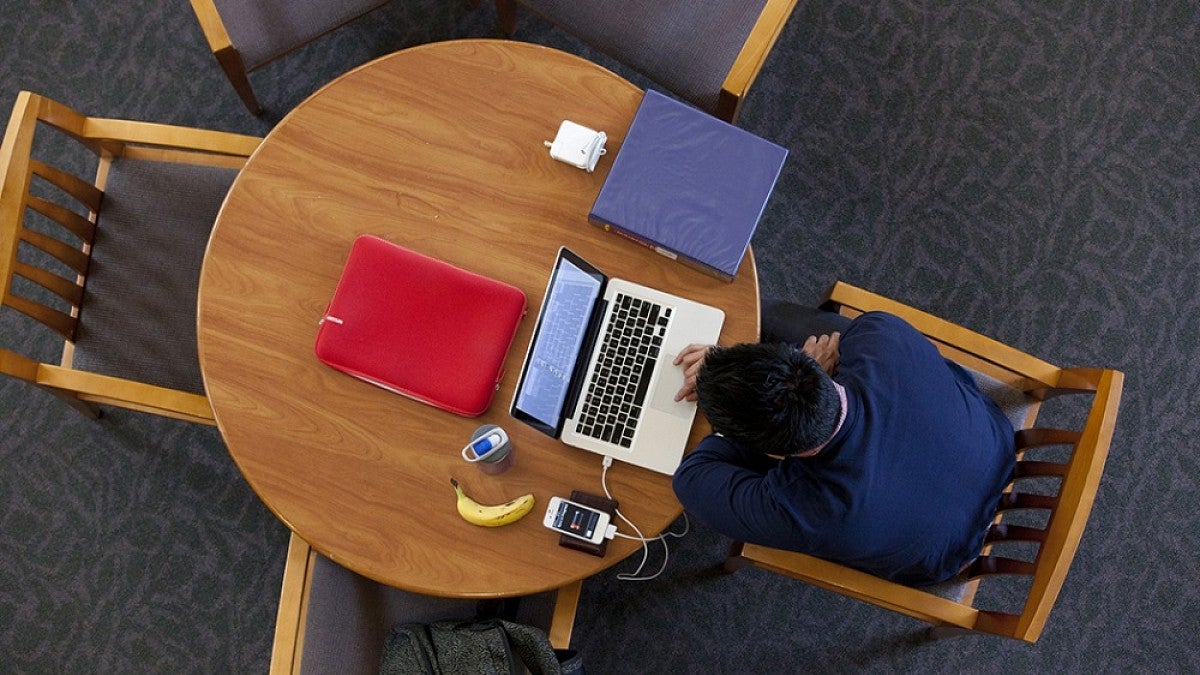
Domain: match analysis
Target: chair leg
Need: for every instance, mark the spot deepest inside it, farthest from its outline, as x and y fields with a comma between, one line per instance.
x=235, y=70
x=288, y=644
x=506, y=17
x=565, y=605
x=728, y=107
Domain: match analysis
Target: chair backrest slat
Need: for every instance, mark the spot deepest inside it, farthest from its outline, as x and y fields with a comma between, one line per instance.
x=71, y=291
x=1009, y=532
x=83, y=192
x=59, y=321
x=1031, y=438
x=77, y=224
x=1013, y=501
x=1028, y=468
x=72, y=257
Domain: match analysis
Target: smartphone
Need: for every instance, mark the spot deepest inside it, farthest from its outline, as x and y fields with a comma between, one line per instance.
x=576, y=520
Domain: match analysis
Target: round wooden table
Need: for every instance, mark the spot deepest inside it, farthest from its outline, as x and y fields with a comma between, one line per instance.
x=438, y=148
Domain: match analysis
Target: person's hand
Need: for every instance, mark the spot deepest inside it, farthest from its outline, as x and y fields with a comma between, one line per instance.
x=824, y=350
x=691, y=358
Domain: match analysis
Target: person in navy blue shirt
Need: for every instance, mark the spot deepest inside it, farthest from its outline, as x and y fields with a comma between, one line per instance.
x=861, y=445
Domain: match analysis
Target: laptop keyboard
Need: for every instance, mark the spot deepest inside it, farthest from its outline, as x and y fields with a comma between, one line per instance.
x=629, y=349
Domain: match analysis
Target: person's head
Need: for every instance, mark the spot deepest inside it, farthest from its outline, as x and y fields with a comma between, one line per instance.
x=772, y=398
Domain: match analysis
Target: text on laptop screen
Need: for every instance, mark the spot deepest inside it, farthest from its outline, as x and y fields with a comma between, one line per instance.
x=568, y=306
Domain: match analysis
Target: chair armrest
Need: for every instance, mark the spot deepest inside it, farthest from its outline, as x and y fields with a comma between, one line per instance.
x=1077, y=381
x=750, y=59
x=112, y=135
x=983, y=353
x=127, y=393
x=168, y=136
x=18, y=365
x=844, y=580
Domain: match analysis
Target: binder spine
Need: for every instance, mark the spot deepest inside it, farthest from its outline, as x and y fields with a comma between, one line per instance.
x=690, y=262
x=609, y=227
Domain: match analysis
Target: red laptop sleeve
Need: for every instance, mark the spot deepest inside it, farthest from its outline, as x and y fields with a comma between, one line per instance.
x=419, y=326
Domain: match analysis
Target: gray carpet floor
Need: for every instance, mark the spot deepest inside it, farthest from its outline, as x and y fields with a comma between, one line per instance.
x=1028, y=170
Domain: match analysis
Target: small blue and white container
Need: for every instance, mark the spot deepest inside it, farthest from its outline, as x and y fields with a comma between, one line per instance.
x=490, y=450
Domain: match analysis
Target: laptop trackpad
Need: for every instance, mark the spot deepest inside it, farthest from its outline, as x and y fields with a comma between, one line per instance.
x=670, y=380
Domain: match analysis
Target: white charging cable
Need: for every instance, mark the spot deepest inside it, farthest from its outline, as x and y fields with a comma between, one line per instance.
x=633, y=576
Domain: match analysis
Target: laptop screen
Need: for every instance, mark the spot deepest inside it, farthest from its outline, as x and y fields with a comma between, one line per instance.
x=558, y=343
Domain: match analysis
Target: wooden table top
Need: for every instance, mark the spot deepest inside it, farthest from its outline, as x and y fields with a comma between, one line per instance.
x=437, y=148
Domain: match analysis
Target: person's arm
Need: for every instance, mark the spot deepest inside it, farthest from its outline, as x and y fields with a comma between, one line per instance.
x=726, y=488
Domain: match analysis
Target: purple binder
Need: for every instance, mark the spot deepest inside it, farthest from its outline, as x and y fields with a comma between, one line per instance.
x=688, y=185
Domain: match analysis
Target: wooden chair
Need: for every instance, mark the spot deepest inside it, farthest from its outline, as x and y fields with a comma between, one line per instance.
x=706, y=53
x=248, y=34
x=332, y=620
x=111, y=265
x=1041, y=518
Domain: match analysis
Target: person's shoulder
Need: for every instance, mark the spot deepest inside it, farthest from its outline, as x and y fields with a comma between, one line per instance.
x=880, y=324
x=887, y=338
x=878, y=318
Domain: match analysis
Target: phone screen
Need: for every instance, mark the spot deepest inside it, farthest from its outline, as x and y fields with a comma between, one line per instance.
x=576, y=520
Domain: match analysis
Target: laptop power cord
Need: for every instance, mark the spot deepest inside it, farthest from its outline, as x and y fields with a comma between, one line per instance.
x=634, y=576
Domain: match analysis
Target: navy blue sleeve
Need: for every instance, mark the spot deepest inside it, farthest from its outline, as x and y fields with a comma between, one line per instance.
x=725, y=486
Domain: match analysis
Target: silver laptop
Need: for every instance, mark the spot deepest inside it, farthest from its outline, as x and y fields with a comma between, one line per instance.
x=599, y=372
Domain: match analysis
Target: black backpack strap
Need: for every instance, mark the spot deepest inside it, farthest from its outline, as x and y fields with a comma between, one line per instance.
x=533, y=647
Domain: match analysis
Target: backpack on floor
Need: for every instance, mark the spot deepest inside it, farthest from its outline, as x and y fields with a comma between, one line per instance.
x=488, y=647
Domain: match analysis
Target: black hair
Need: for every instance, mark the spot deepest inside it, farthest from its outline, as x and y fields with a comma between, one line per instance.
x=772, y=398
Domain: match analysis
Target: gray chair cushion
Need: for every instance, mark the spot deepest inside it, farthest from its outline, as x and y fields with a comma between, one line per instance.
x=349, y=617
x=687, y=46
x=1012, y=402
x=138, y=319
x=263, y=29
x=954, y=589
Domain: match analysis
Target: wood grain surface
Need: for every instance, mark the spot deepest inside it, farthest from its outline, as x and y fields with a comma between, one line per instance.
x=437, y=148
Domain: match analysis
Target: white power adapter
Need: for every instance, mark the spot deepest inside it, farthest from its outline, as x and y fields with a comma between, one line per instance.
x=578, y=145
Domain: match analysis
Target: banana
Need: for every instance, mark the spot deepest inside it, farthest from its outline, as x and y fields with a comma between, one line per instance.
x=492, y=516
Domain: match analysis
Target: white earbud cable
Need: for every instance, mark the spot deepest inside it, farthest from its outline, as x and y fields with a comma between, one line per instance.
x=633, y=576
